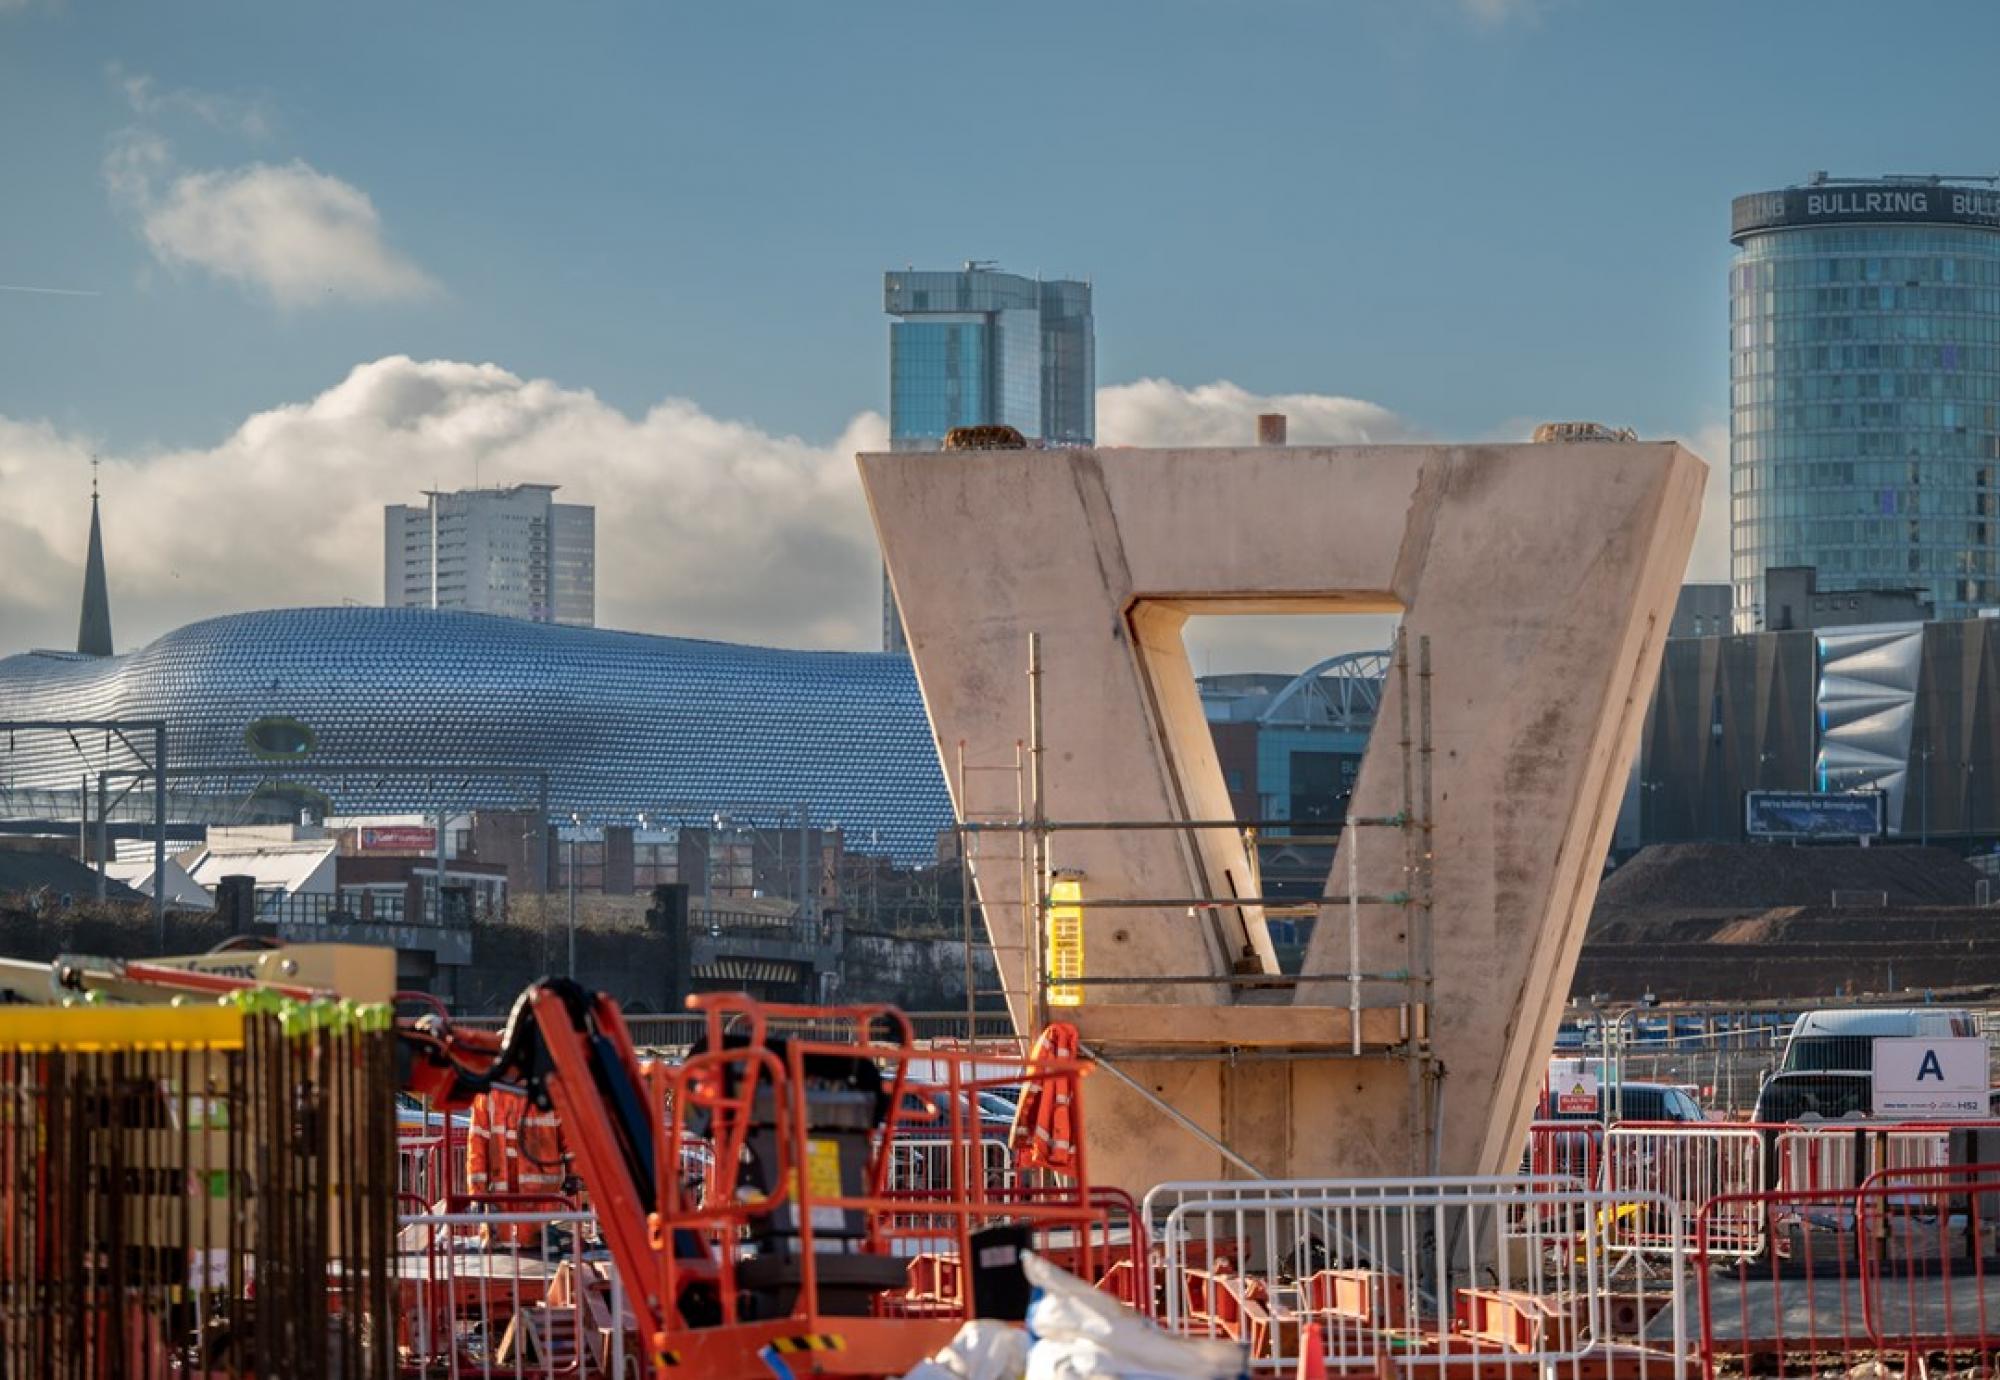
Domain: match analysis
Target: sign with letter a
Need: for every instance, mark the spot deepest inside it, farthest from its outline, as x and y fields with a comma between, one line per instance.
x=1921, y=1079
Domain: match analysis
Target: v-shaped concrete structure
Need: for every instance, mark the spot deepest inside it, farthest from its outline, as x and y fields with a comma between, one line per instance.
x=1543, y=577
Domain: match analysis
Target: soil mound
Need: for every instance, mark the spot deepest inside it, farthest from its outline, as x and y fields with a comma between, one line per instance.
x=1750, y=878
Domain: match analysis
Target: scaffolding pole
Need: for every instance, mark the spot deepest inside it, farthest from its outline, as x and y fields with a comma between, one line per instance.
x=965, y=895
x=1426, y=889
x=1416, y=1066
x=1039, y=851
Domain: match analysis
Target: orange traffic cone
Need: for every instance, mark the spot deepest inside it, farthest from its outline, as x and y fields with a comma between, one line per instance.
x=1312, y=1355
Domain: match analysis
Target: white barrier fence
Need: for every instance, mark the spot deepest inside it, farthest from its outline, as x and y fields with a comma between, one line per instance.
x=1418, y=1274
x=518, y=1294
x=1693, y=1164
x=936, y=1165
x=1686, y=1165
x=1841, y=1154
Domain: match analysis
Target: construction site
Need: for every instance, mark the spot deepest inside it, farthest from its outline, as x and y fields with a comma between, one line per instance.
x=1397, y=1147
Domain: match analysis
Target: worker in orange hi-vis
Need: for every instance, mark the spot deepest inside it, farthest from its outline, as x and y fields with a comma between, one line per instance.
x=513, y=1148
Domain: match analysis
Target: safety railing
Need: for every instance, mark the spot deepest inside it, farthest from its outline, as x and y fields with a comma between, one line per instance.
x=517, y=1294
x=1688, y=1165
x=1107, y=1250
x=1416, y=1277
x=1566, y=1149
x=939, y=1165
x=426, y=1170
x=1254, y=1195
x=1895, y=1276
x=1844, y=1154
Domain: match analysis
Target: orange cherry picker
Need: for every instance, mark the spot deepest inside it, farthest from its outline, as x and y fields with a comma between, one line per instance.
x=798, y=1245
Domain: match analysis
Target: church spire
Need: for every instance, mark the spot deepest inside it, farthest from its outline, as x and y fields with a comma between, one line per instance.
x=93, y=630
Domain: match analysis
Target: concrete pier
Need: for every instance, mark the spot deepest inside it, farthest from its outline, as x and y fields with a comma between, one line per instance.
x=1543, y=577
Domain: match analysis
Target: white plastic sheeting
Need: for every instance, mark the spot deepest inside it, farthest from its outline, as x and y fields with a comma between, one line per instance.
x=1076, y=1332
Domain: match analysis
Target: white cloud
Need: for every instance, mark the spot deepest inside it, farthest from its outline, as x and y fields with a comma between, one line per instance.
x=1155, y=412
x=1494, y=13
x=137, y=160
x=706, y=527
x=249, y=117
x=298, y=234
x=1710, y=562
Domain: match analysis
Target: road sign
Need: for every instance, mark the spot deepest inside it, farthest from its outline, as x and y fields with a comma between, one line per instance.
x=1572, y=1088
x=1918, y=1079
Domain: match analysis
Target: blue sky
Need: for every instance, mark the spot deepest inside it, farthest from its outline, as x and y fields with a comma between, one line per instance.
x=1470, y=213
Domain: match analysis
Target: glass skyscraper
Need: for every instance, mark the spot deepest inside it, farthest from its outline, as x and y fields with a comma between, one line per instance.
x=1864, y=326
x=978, y=347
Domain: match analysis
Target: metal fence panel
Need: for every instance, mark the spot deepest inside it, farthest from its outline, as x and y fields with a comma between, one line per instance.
x=518, y=1294
x=1416, y=1276
x=1688, y=1165
x=1895, y=1276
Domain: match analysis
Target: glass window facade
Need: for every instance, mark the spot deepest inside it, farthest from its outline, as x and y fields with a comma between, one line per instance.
x=979, y=348
x=1864, y=435
x=983, y=348
x=1017, y=400
x=939, y=377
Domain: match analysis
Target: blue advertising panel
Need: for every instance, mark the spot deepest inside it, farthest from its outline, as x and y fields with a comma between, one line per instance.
x=1810, y=815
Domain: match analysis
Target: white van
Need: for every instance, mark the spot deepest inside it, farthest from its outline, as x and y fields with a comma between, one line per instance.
x=1843, y=1040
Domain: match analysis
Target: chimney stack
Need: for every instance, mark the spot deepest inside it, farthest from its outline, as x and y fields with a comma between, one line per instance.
x=1270, y=428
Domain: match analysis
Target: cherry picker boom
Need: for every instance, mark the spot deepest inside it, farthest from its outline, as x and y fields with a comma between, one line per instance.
x=796, y=1245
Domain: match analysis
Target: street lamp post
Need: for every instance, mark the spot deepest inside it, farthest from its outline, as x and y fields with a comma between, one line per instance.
x=1924, y=794
x=1650, y=826
x=575, y=828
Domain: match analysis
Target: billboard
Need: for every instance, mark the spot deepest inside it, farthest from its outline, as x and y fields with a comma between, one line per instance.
x=1813, y=815
x=398, y=838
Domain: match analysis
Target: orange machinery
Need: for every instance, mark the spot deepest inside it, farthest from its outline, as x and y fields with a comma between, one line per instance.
x=796, y=1246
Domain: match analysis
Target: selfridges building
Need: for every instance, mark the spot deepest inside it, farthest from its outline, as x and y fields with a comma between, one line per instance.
x=364, y=710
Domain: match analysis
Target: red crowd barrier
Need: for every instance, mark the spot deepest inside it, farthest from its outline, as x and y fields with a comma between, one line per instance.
x=1565, y=1149
x=1898, y=1274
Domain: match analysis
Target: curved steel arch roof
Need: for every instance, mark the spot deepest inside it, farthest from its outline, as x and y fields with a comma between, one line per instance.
x=1347, y=688
x=622, y=722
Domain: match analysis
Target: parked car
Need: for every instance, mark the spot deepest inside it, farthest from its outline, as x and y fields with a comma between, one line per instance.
x=926, y=1111
x=1808, y=1093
